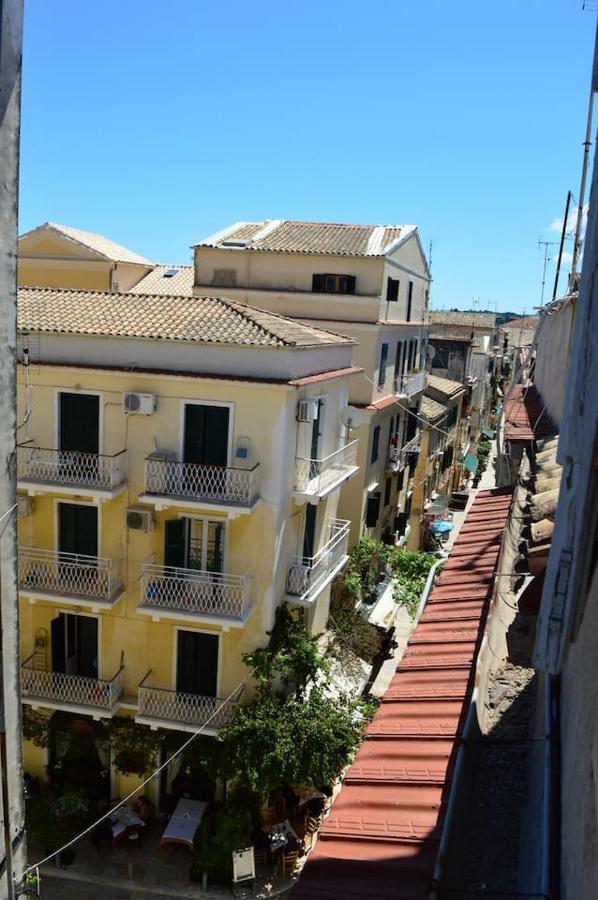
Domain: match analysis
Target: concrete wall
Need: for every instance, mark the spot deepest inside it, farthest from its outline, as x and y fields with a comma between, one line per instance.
x=554, y=336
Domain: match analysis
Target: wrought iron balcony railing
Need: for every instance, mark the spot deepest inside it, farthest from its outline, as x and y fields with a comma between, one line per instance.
x=194, y=591
x=408, y=385
x=69, y=574
x=398, y=457
x=70, y=468
x=308, y=575
x=312, y=476
x=70, y=690
x=191, y=481
x=181, y=708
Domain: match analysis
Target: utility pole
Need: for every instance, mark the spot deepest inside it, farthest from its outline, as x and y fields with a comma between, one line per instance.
x=584, y=177
x=561, y=244
x=12, y=853
x=546, y=245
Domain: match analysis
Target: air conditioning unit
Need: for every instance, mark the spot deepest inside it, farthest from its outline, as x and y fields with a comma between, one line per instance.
x=140, y=519
x=307, y=410
x=142, y=404
x=24, y=506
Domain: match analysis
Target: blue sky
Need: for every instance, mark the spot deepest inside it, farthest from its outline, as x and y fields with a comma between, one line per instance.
x=158, y=123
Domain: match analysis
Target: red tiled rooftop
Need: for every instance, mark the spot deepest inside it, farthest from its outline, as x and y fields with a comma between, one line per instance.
x=525, y=416
x=381, y=837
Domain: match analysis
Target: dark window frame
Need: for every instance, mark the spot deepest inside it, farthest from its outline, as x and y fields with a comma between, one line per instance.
x=392, y=289
x=383, y=363
x=332, y=283
x=374, y=455
x=409, y=301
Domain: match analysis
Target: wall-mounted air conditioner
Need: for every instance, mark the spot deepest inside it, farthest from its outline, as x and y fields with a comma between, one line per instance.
x=141, y=404
x=140, y=519
x=24, y=506
x=307, y=410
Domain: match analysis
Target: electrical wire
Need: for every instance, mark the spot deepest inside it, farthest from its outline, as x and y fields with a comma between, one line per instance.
x=157, y=771
x=407, y=410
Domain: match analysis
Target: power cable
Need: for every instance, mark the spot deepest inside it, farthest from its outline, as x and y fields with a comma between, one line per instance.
x=157, y=771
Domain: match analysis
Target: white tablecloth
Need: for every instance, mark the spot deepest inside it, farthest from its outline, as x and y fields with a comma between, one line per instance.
x=184, y=822
x=123, y=819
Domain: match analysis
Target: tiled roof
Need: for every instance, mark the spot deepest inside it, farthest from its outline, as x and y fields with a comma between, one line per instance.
x=286, y=236
x=178, y=284
x=455, y=317
x=451, y=334
x=444, y=386
x=382, y=836
x=430, y=409
x=97, y=243
x=525, y=416
x=525, y=322
x=205, y=320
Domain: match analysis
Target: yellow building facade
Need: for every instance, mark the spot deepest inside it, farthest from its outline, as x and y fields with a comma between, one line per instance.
x=168, y=504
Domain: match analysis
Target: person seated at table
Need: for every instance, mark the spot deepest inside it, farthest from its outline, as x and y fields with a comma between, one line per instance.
x=144, y=808
x=260, y=840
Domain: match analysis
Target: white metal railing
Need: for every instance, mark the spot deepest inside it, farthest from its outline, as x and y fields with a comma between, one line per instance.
x=194, y=591
x=397, y=456
x=70, y=467
x=314, y=475
x=307, y=574
x=177, y=706
x=54, y=572
x=218, y=484
x=413, y=383
x=62, y=687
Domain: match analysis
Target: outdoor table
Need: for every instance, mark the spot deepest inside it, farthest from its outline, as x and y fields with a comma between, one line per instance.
x=123, y=821
x=279, y=836
x=183, y=823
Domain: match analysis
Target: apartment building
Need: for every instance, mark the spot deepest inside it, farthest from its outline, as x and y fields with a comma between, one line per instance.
x=169, y=502
x=369, y=282
x=60, y=256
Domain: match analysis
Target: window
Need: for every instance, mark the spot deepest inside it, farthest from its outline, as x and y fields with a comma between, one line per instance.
x=392, y=288
x=375, y=444
x=409, y=301
x=372, y=510
x=387, y=492
x=333, y=284
x=451, y=417
x=398, y=361
x=441, y=358
x=383, y=360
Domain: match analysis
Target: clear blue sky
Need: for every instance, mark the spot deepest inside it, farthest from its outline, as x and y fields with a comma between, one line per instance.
x=158, y=123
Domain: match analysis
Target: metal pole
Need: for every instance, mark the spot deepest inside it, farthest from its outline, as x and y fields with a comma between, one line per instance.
x=584, y=177
x=11, y=744
x=563, y=232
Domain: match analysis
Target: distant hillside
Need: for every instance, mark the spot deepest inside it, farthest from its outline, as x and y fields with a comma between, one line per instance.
x=501, y=318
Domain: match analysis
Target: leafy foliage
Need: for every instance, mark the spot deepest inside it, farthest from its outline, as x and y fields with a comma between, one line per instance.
x=483, y=452
x=292, y=656
x=410, y=569
x=351, y=637
x=286, y=739
x=134, y=747
x=35, y=726
x=217, y=839
x=368, y=560
x=294, y=730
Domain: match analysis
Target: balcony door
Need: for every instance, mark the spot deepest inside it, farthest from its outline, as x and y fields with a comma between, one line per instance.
x=78, y=529
x=197, y=663
x=194, y=544
x=205, y=438
x=79, y=422
x=75, y=645
x=309, y=530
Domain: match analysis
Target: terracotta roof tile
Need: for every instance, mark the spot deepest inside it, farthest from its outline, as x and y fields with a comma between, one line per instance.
x=431, y=410
x=179, y=284
x=204, y=320
x=97, y=243
x=456, y=317
x=444, y=386
x=287, y=236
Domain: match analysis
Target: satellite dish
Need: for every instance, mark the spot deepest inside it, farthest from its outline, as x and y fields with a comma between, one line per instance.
x=352, y=417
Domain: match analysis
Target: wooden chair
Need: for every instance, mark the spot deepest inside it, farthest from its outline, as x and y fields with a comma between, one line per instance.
x=260, y=858
x=288, y=862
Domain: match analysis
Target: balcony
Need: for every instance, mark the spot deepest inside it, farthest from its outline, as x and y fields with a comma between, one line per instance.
x=189, y=485
x=409, y=385
x=316, y=478
x=91, y=581
x=74, y=693
x=308, y=576
x=164, y=708
x=96, y=475
x=192, y=594
x=398, y=458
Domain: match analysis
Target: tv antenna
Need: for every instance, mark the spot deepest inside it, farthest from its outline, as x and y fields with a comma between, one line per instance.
x=547, y=259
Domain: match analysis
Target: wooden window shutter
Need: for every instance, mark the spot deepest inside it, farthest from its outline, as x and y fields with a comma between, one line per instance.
x=318, y=283
x=350, y=284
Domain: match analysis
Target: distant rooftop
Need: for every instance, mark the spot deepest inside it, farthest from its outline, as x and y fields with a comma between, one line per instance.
x=173, y=280
x=431, y=410
x=204, y=320
x=97, y=243
x=446, y=387
x=287, y=236
x=456, y=317
x=525, y=322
